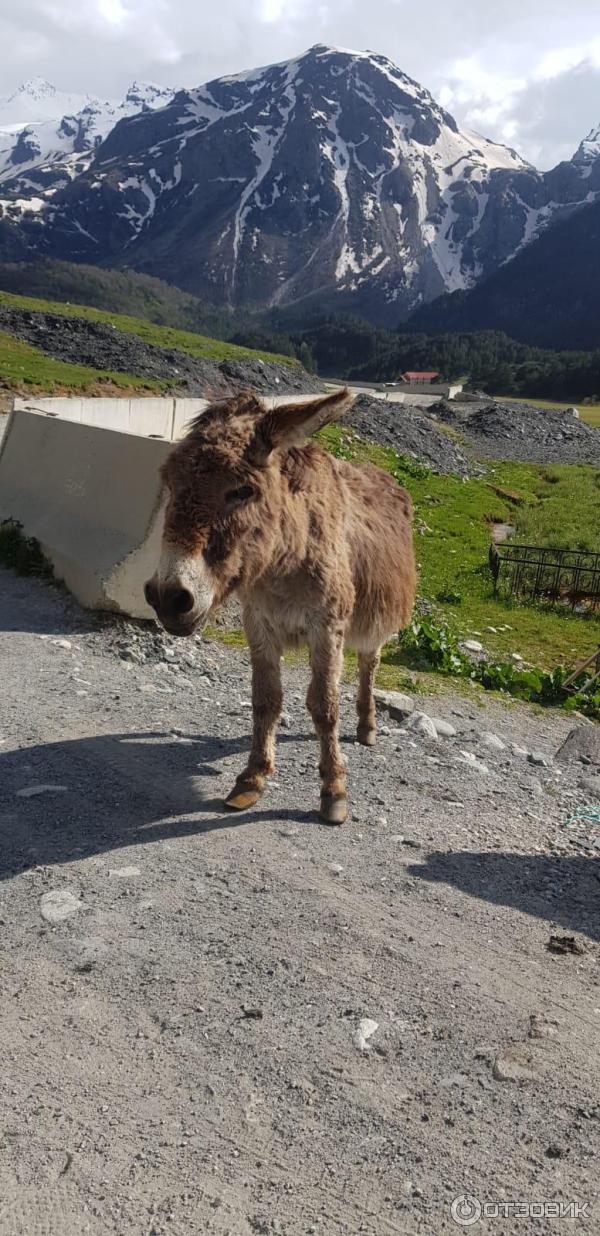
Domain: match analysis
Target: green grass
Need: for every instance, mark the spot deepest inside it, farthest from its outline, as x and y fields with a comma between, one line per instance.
x=22, y=366
x=557, y=503
x=159, y=336
x=590, y=413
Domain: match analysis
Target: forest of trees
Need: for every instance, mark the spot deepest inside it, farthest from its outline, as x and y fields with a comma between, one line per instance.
x=487, y=360
x=333, y=345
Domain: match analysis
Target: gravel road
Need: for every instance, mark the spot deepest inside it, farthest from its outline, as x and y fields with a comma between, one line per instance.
x=258, y=1024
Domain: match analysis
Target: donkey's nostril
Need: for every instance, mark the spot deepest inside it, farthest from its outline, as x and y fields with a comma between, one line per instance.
x=151, y=594
x=181, y=601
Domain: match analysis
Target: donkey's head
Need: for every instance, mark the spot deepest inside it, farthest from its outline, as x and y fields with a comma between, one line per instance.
x=224, y=485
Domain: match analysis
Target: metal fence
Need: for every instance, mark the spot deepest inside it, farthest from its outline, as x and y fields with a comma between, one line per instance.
x=566, y=576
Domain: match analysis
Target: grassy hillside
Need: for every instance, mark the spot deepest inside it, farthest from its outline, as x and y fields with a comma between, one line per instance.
x=159, y=336
x=127, y=292
x=453, y=537
x=26, y=369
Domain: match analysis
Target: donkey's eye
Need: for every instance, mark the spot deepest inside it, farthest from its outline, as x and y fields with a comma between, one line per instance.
x=243, y=494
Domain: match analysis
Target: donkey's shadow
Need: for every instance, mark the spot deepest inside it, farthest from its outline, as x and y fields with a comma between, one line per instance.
x=120, y=790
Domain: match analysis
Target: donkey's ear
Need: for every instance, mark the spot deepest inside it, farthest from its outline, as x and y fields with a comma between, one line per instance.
x=292, y=423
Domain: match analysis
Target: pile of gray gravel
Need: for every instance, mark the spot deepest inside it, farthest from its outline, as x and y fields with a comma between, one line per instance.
x=409, y=431
x=521, y=432
x=83, y=342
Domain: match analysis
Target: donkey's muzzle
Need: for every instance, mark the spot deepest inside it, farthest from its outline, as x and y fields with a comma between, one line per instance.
x=175, y=607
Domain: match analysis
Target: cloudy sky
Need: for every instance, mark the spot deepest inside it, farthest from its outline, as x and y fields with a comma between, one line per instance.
x=525, y=72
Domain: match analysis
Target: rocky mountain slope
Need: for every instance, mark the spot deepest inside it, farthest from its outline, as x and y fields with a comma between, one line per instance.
x=47, y=138
x=547, y=296
x=331, y=178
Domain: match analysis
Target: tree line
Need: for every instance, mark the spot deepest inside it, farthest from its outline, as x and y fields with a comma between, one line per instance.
x=487, y=360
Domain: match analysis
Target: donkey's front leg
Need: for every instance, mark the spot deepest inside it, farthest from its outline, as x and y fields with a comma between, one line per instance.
x=323, y=702
x=267, y=698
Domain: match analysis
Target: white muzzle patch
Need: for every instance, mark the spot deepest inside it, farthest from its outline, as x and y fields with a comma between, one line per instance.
x=180, y=570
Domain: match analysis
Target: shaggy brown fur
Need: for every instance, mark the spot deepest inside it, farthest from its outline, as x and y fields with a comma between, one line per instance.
x=319, y=551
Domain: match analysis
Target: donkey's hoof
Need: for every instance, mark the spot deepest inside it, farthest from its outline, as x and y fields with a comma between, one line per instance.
x=366, y=735
x=243, y=797
x=334, y=809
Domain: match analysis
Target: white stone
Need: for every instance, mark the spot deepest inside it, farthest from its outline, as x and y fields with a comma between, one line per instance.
x=124, y=873
x=396, y=703
x=58, y=905
x=420, y=723
x=471, y=761
x=473, y=645
x=63, y=643
x=492, y=741
x=538, y=758
x=443, y=728
x=366, y=1029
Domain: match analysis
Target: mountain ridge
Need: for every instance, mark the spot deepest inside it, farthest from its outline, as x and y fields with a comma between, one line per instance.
x=47, y=137
x=547, y=296
x=330, y=178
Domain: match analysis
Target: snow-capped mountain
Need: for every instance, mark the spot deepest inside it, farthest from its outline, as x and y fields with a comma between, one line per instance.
x=589, y=150
x=332, y=176
x=47, y=138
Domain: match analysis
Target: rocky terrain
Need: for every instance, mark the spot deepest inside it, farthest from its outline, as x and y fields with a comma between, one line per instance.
x=410, y=431
x=84, y=342
x=482, y=429
x=497, y=429
x=256, y=1024
x=330, y=178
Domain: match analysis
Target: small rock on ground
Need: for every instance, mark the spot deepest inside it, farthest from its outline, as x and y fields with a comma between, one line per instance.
x=58, y=905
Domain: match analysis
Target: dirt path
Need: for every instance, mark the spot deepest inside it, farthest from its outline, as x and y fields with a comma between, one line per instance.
x=182, y=1053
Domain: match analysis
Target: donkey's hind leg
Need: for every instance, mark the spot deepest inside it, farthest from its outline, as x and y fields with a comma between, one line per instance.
x=368, y=663
x=323, y=702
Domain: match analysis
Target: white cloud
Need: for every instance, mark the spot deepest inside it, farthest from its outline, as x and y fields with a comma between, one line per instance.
x=530, y=76
x=112, y=11
x=561, y=59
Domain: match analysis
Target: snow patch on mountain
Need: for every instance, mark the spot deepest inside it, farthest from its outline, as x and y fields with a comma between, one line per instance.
x=332, y=175
x=589, y=150
x=47, y=137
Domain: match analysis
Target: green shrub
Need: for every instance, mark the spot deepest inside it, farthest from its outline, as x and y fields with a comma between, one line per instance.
x=429, y=641
x=22, y=553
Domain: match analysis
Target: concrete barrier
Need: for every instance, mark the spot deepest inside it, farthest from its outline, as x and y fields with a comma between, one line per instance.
x=147, y=418
x=185, y=410
x=91, y=498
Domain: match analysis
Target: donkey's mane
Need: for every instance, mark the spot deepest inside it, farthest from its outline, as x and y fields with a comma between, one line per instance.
x=245, y=402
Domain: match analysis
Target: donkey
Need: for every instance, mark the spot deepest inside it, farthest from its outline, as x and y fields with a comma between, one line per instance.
x=319, y=551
